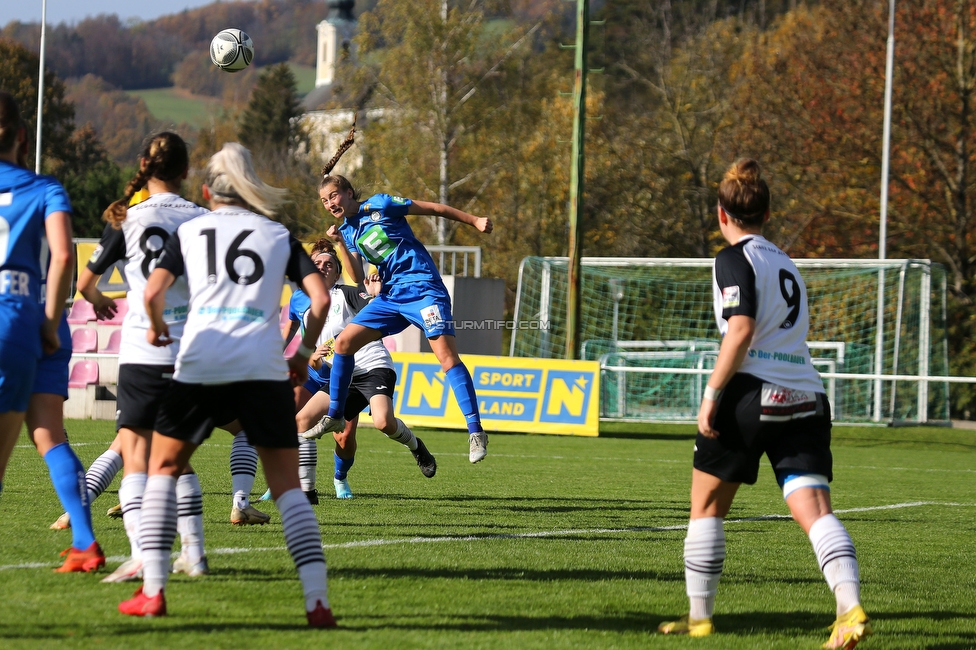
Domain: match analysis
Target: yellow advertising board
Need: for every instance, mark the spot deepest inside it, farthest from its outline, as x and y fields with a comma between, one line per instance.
x=514, y=394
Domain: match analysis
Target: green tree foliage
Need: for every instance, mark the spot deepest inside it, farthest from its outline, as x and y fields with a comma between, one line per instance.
x=268, y=124
x=92, y=181
x=75, y=157
x=438, y=67
x=18, y=76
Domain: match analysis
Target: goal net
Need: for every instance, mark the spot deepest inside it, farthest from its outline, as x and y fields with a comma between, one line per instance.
x=651, y=325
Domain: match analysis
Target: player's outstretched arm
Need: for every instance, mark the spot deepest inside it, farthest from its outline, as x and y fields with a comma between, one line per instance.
x=483, y=224
x=104, y=306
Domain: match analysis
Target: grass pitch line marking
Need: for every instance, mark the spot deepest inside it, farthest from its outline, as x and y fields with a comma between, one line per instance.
x=367, y=543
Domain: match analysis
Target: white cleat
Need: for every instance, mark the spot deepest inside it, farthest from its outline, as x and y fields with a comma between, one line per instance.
x=248, y=516
x=128, y=571
x=182, y=565
x=63, y=522
x=326, y=425
x=477, y=446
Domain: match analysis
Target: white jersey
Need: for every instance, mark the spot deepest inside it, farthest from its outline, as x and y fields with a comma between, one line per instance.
x=346, y=303
x=235, y=262
x=140, y=242
x=754, y=278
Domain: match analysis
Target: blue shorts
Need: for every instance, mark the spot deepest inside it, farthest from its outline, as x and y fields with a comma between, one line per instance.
x=52, y=369
x=432, y=314
x=316, y=382
x=18, y=365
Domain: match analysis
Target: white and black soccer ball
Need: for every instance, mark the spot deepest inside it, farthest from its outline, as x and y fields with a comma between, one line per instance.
x=231, y=50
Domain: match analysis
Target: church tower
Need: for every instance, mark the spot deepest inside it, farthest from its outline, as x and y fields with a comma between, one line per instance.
x=335, y=36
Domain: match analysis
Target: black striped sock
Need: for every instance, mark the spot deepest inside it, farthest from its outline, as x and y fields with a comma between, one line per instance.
x=704, y=561
x=189, y=509
x=404, y=436
x=130, y=495
x=308, y=460
x=101, y=473
x=243, y=468
x=305, y=545
x=838, y=561
x=157, y=531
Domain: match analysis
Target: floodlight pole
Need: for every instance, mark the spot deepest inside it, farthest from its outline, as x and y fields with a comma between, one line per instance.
x=40, y=91
x=573, y=307
x=883, y=231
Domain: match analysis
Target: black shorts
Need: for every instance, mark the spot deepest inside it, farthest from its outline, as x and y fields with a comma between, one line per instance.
x=140, y=392
x=266, y=410
x=801, y=444
x=380, y=381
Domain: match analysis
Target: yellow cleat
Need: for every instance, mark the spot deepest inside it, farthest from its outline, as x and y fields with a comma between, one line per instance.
x=689, y=626
x=849, y=629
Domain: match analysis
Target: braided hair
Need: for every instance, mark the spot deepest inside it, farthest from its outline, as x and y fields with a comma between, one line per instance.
x=340, y=182
x=164, y=158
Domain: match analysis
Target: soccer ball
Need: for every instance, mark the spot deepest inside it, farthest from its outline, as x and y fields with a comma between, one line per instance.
x=231, y=50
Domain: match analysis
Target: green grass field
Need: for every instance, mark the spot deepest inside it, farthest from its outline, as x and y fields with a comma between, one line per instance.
x=550, y=542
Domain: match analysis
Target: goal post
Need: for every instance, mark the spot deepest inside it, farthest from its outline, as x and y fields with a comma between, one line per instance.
x=877, y=333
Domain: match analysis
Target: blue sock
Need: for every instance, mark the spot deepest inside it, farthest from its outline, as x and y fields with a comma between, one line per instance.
x=342, y=367
x=463, y=387
x=342, y=466
x=68, y=477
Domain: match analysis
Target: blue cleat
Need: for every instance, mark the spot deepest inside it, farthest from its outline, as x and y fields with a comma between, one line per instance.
x=342, y=489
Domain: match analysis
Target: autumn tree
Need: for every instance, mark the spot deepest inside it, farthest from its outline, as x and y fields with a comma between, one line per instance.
x=811, y=108
x=434, y=65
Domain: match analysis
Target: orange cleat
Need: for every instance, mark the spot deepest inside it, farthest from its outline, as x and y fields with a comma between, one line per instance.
x=142, y=605
x=321, y=616
x=91, y=559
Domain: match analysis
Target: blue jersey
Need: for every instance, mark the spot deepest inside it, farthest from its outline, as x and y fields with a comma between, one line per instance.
x=381, y=234
x=297, y=306
x=26, y=200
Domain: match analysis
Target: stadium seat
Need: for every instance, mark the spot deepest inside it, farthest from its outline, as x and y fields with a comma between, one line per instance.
x=114, y=342
x=283, y=320
x=83, y=373
x=389, y=343
x=122, y=306
x=84, y=340
x=81, y=312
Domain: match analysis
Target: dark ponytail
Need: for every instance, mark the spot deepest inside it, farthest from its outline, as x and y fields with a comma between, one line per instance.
x=165, y=158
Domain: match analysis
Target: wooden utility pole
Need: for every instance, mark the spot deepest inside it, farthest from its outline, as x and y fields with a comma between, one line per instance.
x=573, y=311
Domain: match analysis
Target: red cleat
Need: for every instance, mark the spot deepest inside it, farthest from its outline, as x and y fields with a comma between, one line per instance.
x=142, y=605
x=91, y=559
x=321, y=616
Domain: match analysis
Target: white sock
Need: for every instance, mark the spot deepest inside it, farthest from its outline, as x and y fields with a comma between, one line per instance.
x=100, y=474
x=243, y=468
x=704, y=561
x=157, y=532
x=404, y=436
x=838, y=561
x=308, y=460
x=130, y=495
x=189, y=508
x=305, y=545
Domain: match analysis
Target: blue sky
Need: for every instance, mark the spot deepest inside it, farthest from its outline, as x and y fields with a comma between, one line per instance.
x=76, y=10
